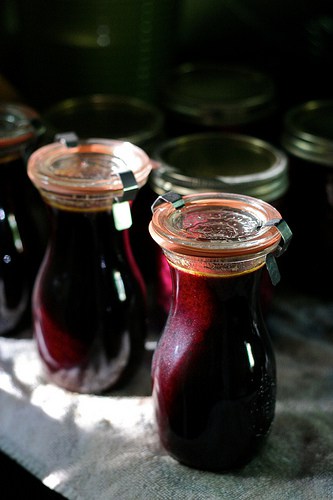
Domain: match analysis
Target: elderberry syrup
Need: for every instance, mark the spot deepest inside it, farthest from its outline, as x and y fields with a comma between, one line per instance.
x=88, y=302
x=23, y=230
x=213, y=371
x=205, y=162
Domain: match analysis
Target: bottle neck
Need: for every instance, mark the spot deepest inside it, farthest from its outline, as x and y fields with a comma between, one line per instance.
x=197, y=291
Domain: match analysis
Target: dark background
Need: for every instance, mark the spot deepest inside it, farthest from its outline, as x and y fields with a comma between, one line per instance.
x=291, y=40
x=59, y=49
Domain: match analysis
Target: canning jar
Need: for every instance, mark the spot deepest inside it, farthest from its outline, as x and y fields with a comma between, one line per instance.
x=212, y=161
x=213, y=371
x=22, y=217
x=199, y=97
x=109, y=116
x=113, y=117
x=307, y=138
x=88, y=301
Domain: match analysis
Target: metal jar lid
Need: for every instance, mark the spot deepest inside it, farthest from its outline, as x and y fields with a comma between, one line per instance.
x=88, y=174
x=308, y=131
x=217, y=95
x=220, y=162
x=19, y=126
x=108, y=116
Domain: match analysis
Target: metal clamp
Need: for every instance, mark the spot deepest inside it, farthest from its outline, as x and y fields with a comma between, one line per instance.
x=69, y=139
x=286, y=236
x=285, y=232
x=175, y=199
x=130, y=186
x=121, y=208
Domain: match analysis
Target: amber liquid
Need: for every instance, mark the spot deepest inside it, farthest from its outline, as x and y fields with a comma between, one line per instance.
x=89, y=311
x=214, y=383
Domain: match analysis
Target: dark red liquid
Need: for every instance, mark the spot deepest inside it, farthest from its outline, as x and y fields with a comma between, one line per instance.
x=22, y=244
x=89, y=311
x=214, y=382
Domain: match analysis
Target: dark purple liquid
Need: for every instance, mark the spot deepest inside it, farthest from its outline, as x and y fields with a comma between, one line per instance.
x=214, y=382
x=89, y=311
x=22, y=244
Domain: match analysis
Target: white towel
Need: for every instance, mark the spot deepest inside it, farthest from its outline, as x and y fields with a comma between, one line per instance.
x=106, y=447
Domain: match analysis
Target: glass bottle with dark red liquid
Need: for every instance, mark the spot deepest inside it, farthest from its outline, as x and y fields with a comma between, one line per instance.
x=214, y=374
x=88, y=302
x=22, y=216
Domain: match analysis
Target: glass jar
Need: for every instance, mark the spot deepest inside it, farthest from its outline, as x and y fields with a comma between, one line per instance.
x=88, y=302
x=211, y=161
x=219, y=161
x=207, y=97
x=213, y=371
x=22, y=217
x=113, y=117
x=109, y=116
x=308, y=140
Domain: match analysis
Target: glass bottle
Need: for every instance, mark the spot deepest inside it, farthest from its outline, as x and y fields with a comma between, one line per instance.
x=22, y=218
x=213, y=371
x=212, y=161
x=88, y=302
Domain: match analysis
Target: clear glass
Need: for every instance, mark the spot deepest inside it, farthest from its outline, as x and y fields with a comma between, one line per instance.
x=23, y=232
x=213, y=371
x=89, y=298
x=88, y=303
x=214, y=380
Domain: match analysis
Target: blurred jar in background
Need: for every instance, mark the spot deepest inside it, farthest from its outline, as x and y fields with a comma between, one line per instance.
x=308, y=140
x=212, y=162
x=81, y=47
x=201, y=97
x=109, y=116
x=22, y=217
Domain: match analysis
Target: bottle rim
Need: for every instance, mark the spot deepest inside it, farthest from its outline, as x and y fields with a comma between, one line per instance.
x=88, y=171
x=223, y=225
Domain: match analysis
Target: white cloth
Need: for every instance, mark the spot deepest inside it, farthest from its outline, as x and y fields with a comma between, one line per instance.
x=106, y=447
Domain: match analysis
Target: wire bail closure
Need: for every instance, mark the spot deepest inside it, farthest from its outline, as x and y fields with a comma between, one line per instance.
x=69, y=139
x=286, y=235
x=170, y=197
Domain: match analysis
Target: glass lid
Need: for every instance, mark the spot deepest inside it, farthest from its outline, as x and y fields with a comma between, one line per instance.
x=19, y=124
x=90, y=174
x=88, y=167
x=215, y=224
